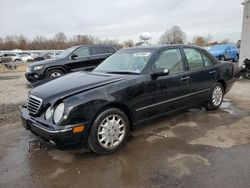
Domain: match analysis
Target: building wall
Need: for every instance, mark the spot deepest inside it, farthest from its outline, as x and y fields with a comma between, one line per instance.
x=245, y=35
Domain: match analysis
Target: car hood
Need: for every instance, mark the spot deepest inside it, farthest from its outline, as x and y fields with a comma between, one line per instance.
x=44, y=62
x=74, y=83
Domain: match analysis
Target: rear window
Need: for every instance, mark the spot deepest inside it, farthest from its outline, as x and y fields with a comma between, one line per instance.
x=194, y=58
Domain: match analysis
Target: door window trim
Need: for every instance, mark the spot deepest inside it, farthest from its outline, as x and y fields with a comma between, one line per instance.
x=182, y=59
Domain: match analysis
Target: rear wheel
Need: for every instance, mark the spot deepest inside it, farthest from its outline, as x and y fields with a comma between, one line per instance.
x=216, y=97
x=109, y=131
x=236, y=59
x=222, y=58
x=54, y=73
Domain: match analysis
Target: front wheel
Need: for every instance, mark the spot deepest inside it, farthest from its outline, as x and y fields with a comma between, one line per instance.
x=216, y=97
x=54, y=73
x=109, y=131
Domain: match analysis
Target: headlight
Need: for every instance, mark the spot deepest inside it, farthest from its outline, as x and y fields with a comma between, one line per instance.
x=48, y=113
x=38, y=67
x=58, y=114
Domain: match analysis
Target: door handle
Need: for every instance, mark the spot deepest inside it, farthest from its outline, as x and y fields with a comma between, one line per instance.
x=211, y=72
x=185, y=78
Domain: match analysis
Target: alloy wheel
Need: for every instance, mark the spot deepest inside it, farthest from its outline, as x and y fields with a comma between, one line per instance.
x=217, y=95
x=55, y=74
x=111, y=132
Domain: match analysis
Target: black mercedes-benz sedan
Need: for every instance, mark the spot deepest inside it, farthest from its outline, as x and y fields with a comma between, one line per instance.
x=101, y=107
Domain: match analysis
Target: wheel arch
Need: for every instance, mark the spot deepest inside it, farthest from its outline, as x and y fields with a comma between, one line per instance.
x=223, y=83
x=124, y=108
x=55, y=67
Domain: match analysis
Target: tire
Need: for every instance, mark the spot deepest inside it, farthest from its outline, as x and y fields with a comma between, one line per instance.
x=236, y=59
x=97, y=141
x=222, y=58
x=16, y=60
x=54, y=73
x=216, y=97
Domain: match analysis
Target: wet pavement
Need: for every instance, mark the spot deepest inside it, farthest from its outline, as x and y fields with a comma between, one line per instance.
x=196, y=148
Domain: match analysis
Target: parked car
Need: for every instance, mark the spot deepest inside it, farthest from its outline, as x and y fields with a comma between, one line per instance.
x=10, y=57
x=51, y=55
x=26, y=57
x=101, y=107
x=38, y=56
x=85, y=57
x=225, y=52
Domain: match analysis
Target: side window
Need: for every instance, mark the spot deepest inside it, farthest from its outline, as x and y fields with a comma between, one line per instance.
x=110, y=50
x=207, y=61
x=171, y=60
x=97, y=50
x=194, y=58
x=82, y=52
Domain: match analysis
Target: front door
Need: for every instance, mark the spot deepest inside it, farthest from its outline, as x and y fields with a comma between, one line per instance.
x=169, y=92
x=82, y=61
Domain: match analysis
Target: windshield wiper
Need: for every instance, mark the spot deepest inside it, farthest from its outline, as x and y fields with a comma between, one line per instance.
x=122, y=72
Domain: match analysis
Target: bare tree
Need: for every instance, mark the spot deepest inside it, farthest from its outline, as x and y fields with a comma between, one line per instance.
x=22, y=42
x=128, y=43
x=200, y=41
x=225, y=41
x=173, y=35
x=60, y=39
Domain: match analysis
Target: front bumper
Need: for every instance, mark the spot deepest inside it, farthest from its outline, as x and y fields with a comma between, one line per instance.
x=59, y=136
x=31, y=77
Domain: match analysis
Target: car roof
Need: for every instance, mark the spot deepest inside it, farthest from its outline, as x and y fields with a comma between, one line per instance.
x=96, y=45
x=163, y=46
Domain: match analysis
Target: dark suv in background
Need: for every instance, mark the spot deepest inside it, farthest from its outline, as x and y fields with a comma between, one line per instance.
x=76, y=58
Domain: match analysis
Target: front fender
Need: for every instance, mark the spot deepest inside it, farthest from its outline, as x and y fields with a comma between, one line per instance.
x=83, y=107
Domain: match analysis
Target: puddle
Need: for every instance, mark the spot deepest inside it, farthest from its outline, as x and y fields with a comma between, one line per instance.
x=181, y=163
x=228, y=107
x=61, y=156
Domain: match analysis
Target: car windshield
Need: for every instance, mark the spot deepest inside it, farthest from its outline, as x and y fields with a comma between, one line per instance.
x=125, y=62
x=66, y=52
x=218, y=47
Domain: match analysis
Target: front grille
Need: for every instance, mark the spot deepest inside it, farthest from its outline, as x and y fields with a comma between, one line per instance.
x=34, y=104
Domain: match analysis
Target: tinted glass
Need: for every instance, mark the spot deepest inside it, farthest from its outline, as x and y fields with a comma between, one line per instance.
x=207, y=61
x=66, y=52
x=171, y=60
x=110, y=50
x=82, y=52
x=194, y=58
x=97, y=50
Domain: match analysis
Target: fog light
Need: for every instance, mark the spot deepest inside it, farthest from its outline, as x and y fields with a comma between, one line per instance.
x=78, y=129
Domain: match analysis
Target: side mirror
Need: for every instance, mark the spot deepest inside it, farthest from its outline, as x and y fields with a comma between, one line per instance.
x=74, y=56
x=158, y=73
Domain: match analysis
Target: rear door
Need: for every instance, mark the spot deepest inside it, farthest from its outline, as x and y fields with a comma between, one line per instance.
x=201, y=71
x=98, y=54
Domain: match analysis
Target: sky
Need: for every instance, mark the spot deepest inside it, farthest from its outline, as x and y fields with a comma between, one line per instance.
x=121, y=19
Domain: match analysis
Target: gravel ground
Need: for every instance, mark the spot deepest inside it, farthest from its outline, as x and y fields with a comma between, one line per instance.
x=13, y=88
